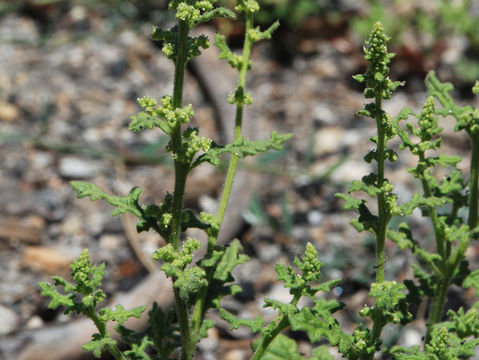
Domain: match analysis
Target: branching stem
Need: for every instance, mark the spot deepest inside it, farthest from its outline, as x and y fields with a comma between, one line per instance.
x=267, y=339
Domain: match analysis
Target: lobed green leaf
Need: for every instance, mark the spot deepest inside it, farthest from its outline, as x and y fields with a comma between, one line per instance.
x=99, y=344
x=230, y=259
x=243, y=148
x=128, y=203
x=472, y=280
x=255, y=325
x=120, y=314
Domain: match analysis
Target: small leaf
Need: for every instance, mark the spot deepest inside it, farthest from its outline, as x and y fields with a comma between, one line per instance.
x=351, y=202
x=318, y=323
x=404, y=114
x=282, y=348
x=139, y=351
x=359, y=78
x=57, y=299
x=128, y=203
x=464, y=324
x=165, y=334
x=244, y=147
x=220, y=12
x=230, y=259
x=321, y=353
x=418, y=201
x=445, y=160
x=189, y=220
x=120, y=314
x=441, y=92
x=255, y=325
x=472, y=280
x=99, y=344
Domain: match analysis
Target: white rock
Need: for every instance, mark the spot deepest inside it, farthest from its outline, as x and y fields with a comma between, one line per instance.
x=109, y=242
x=235, y=354
x=323, y=112
x=315, y=217
x=35, y=322
x=349, y=171
x=410, y=337
x=8, y=320
x=78, y=13
x=77, y=168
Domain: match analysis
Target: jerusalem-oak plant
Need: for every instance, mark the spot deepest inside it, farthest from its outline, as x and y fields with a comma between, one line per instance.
x=450, y=204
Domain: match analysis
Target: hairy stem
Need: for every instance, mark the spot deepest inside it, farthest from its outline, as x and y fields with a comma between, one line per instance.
x=382, y=211
x=188, y=346
x=181, y=171
x=473, y=183
x=437, y=306
x=376, y=334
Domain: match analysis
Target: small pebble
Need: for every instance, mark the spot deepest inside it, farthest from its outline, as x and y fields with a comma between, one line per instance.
x=8, y=112
x=77, y=168
x=315, y=217
x=109, y=242
x=410, y=337
x=235, y=354
x=35, y=322
x=268, y=252
x=47, y=260
x=210, y=343
x=8, y=320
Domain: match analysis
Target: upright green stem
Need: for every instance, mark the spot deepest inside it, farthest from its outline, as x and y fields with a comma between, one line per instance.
x=238, y=120
x=199, y=310
x=438, y=304
x=378, y=325
x=473, y=183
x=180, y=64
x=181, y=171
x=382, y=211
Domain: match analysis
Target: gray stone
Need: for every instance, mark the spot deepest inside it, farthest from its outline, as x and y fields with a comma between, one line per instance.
x=268, y=252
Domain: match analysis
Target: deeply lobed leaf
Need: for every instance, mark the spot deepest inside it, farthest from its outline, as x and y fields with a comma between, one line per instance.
x=243, y=148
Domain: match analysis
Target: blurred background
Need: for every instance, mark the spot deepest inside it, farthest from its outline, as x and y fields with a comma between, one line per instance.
x=70, y=74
